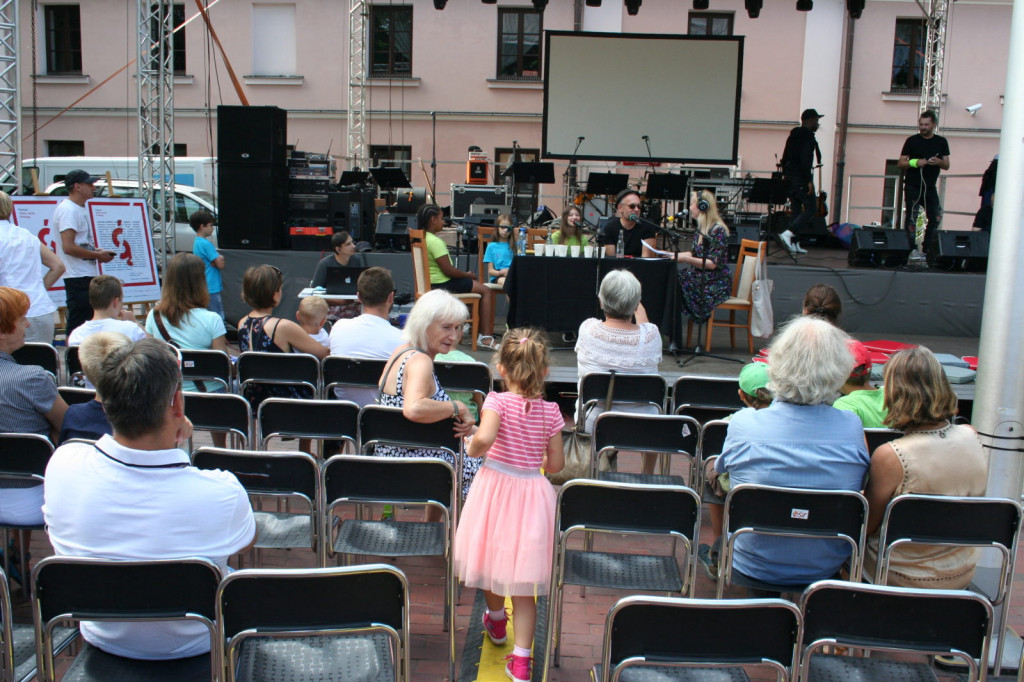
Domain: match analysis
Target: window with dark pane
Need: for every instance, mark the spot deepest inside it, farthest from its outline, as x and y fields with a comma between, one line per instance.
x=710, y=23
x=391, y=41
x=908, y=55
x=63, y=39
x=520, y=32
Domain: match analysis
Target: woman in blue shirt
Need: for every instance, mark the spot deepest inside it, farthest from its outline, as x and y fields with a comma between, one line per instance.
x=498, y=256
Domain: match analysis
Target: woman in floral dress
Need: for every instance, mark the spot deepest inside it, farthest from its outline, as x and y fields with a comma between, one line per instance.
x=708, y=282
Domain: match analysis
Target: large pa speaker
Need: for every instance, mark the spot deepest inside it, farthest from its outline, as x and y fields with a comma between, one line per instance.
x=738, y=234
x=879, y=248
x=252, y=206
x=251, y=135
x=393, y=231
x=960, y=250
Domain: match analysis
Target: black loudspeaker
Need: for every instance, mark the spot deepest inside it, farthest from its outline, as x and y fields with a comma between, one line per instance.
x=252, y=206
x=960, y=250
x=393, y=231
x=879, y=249
x=251, y=135
x=739, y=233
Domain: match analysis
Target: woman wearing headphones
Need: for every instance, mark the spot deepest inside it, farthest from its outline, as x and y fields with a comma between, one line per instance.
x=707, y=283
x=637, y=236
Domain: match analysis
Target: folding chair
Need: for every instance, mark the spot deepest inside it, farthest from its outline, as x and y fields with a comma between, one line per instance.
x=636, y=389
x=665, y=435
x=706, y=398
x=212, y=367
x=73, y=395
x=984, y=522
x=221, y=413
x=17, y=640
x=73, y=367
x=471, y=377
x=23, y=460
x=414, y=481
x=360, y=376
x=791, y=513
x=41, y=354
x=697, y=639
x=277, y=369
x=76, y=588
x=878, y=437
x=301, y=623
x=899, y=619
x=319, y=420
x=588, y=506
x=284, y=475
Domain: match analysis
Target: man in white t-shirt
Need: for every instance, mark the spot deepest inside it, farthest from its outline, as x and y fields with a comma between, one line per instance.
x=134, y=496
x=106, y=296
x=370, y=335
x=78, y=246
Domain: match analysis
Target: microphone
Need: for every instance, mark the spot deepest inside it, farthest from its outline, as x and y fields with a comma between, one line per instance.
x=580, y=138
x=633, y=217
x=645, y=137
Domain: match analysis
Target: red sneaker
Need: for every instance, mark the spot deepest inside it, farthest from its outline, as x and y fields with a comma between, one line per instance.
x=518, y=668
x=497, y=630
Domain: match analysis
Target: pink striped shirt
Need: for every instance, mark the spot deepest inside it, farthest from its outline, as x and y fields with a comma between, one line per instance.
x=525, y=428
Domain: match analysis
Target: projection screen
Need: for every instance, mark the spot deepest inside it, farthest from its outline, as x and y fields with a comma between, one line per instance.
x=683, y=92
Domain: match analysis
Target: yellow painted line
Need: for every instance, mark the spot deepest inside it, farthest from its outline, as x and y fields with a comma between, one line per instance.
x=492, y=658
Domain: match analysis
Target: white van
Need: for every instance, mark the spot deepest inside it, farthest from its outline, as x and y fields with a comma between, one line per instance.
x=187, y=200
x=194, y=171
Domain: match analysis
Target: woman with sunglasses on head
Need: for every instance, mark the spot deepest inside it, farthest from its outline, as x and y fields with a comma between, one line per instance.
x=637, y=235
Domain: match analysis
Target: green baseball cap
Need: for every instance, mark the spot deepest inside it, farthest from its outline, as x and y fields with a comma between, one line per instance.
x=753, y=377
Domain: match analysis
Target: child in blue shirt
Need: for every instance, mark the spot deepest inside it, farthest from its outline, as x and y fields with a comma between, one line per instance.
x=202, y=223
x=498, y=256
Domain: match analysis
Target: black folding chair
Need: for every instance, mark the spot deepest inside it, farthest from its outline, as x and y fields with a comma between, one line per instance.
x=631, y=389
x=41, y=354
x=18, y=640
x=667, y=639
x=284, y=475
x=307, y=623
x=706, y=398
x=73, y=395
x=73, y=367
x=470, y=377
x=413, y=481
x=212, y=368
x=278, y=369
x=23, y=460
x=791, y=513
x=879, y=437
x=898, y=619
x=603, y=507
x=319, y=420
x=76, y=589
x=983, y=522
x=664, y=435
x=351, y=373
x=221, y=413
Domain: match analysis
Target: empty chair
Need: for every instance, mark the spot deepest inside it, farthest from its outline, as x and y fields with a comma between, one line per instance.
x=307, y=623
x=414, y=481
x=77, y=589
x=284, y=475
x=41, y=354
x=643, y=393
x=666, y=435
x=319, y=420
x=74, y=395
x=23, y=460
x=785, y=513
x=706, y=398
x=697, y=639
x=469, y=377
x=221, y=413
x=73, y=367
x=607, y=508
x=209, y=369
x=17, y=640
x=354, y=379
x=901, y=619
x=259, y=373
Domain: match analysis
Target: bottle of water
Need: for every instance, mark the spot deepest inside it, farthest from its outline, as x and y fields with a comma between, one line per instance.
x=521, y=242
x=620, y=248
x=551, y=239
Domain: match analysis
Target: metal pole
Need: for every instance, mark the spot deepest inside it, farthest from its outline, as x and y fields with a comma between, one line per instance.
x=844, y=122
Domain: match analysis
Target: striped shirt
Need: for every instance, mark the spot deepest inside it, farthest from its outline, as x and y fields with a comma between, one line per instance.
x=27, y=393
x=525, y=429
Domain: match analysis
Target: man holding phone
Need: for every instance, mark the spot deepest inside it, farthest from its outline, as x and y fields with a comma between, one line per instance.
x=922, y=157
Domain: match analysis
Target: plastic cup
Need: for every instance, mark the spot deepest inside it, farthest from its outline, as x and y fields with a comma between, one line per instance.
x=574, y=251
x=588, y=251
x=538, y=249
x=561, y=250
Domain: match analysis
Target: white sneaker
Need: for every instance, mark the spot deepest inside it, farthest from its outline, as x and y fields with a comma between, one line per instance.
x=797, y=248
x=787, y=239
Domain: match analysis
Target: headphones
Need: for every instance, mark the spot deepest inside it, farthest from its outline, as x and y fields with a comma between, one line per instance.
x=703, y=205
x=623, y=194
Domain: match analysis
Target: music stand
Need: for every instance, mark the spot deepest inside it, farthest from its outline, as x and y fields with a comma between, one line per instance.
x=387, y=177
x=532, y=172
x=668, y=186
x=606, y=183
x=353, y=178
x=771, y=191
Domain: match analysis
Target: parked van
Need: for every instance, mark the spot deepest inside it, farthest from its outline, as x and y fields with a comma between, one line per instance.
x=187, y=200
x=194, y=171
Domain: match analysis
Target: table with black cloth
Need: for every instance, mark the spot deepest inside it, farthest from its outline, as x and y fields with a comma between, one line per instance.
x=557, y=294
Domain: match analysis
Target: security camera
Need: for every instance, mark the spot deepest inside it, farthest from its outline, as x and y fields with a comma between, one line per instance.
x=973, y=109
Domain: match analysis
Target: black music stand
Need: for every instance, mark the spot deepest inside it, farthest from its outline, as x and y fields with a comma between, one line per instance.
x=389, y=179
x=606, y=183
x=532, y=172
x=349, y=178
x=668, y=186
x=771, y=191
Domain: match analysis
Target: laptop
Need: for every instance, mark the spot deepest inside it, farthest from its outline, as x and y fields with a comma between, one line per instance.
x=341, y=281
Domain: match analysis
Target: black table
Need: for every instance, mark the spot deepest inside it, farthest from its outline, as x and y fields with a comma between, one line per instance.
x=557, y=294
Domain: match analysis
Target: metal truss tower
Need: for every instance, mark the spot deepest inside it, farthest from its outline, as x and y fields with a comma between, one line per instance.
x=156, y=119
x=10, y=100
x=357, y=83
x=937, y=17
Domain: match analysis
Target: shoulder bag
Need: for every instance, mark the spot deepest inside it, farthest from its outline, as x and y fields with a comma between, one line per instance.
x=578, y=445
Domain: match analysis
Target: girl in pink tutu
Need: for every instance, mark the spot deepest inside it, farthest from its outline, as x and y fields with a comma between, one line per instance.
x=504, y=540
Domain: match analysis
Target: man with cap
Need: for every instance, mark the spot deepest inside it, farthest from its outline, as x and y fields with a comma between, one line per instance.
x=858, y=395
x=797, y=170
x=78, y=247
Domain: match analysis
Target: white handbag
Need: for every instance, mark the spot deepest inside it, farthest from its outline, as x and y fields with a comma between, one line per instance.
x=762, y=318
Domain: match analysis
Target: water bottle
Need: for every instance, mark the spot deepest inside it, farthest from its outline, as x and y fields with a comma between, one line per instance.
x=521, y=242
x=620, y=248
x=551, y=239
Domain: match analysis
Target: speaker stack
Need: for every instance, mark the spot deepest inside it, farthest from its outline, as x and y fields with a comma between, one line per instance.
x=879, y=249
x=960, y=250
x=252, y=177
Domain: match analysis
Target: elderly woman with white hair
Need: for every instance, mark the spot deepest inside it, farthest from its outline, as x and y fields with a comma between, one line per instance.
x=434, y=326
x=800, y=441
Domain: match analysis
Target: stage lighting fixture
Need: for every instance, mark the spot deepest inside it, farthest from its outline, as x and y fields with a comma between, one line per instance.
x=701, y=4
x=804, y=5
x=855, y=7
x=439, y=4
x=753, y=8
x=593, y=3
x=539, y=5
x=633, y=7
x=490, y=2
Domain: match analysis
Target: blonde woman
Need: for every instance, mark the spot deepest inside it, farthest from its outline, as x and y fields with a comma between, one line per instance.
x=707, y=283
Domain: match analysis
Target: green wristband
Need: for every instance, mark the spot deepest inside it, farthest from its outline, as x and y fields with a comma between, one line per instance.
x=913, y=163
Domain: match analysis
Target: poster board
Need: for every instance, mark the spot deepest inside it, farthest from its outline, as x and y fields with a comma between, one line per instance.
x=118, y=225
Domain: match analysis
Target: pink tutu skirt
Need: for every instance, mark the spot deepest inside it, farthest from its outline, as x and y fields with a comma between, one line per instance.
x=506, y=532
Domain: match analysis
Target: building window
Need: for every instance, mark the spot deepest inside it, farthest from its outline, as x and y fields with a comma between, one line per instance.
x=519, y=47
x=391, y=33
x=65, y=148
x=176, y=44
x=710, y=24
x=908, y=55
x=180, y=149
x=273, y=40
x=503, y=159
x=393, y=156
x=63, y=39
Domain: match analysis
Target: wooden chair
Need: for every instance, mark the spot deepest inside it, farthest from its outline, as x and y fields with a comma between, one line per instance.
x=421, y=281
x=536, y=235
x=485, y=235
x=743, y=278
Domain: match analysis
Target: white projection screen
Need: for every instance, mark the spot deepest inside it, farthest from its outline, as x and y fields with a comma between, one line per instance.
x=683, y=92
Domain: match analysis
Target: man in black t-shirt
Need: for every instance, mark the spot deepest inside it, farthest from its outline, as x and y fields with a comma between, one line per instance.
x=922, y=157
x=636, y=235
x=797, y=170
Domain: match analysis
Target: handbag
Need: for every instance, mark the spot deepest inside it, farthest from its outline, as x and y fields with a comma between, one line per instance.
x=200, y=386
x=577, y=445
x=762, y=318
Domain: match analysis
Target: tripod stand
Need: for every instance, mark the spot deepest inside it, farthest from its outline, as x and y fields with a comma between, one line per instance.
x=772, y=192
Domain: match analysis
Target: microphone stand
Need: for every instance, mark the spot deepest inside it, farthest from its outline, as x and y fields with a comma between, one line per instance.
x=433, y=152
x=570, y=172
